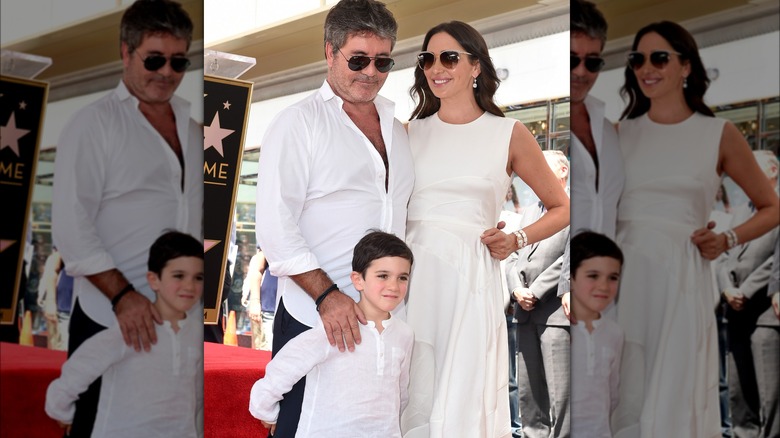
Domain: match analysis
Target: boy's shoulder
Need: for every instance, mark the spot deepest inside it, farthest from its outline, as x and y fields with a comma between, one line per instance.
x=611, y=327
x=403, y=329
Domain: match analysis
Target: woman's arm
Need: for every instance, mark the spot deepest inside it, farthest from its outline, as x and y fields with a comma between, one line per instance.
x=738, y=162
x=528, y=162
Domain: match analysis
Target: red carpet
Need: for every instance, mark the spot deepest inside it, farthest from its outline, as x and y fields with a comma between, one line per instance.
x=25, y=373
x=229, y=373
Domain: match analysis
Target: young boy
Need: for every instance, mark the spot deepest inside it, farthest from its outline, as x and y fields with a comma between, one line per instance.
x=596, y=342
x=146, y=394
x=358, y=393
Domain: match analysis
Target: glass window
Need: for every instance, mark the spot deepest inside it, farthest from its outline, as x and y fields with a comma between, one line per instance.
x=560, y=117
x=745, y=117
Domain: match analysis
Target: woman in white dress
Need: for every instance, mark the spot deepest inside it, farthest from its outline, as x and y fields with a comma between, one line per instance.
x=464, y=152
x=675, y=153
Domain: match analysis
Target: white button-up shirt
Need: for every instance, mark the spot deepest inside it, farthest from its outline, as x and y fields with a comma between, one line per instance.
x=596, y=210
x=117, y=188
x=595, y=375
x=357, y=394
x=321, y=187
x=143, y=394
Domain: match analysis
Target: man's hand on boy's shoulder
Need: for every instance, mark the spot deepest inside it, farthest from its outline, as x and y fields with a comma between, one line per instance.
x=340, y=316
x=136, y=317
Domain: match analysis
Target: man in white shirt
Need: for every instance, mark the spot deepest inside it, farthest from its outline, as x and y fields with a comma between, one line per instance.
x=128, y=167
x=597, y=165
x=332, y=167
x=597, y=174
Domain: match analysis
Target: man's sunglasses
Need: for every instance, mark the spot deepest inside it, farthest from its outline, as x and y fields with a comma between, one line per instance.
x=658, y=58
x=156, y=62
x=448, y=58
x=359, y=62
x=593, y=64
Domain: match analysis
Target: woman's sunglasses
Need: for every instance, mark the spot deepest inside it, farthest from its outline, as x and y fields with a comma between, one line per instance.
x=448, y=58
x=359, y=62
x=593, y=64
x=156, y=62
x=658, y=59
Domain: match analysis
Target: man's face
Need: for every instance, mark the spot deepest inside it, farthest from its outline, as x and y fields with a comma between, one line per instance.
x=582, y=80
x=153, y=87
x=357, y=86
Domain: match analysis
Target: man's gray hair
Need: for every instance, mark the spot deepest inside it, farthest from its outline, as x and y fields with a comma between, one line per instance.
x=150, y=17
x=586, y=19
x=352, y=17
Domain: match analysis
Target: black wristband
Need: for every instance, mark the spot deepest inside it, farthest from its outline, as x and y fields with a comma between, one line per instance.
x=325, y=294
x=117, y=297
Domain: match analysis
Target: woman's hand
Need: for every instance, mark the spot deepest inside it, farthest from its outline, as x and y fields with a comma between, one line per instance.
x=498, y=242
x=710, y=245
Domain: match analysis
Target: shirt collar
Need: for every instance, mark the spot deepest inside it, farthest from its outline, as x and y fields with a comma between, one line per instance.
x=385, y=324
x=383, y=105
x=123, y=93
x=181, y=107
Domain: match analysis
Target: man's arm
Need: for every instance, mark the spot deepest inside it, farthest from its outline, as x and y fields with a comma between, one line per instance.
x=340, y=314
x=281, y=196
x=79, y=179
x=774, y=280
x=564, y=282
x=549, y=280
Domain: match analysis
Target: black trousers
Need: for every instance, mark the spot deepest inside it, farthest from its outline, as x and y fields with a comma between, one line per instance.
x=285, y=328
x=82, y=327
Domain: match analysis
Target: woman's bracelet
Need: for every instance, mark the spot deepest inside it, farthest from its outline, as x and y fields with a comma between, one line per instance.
x=322, y=296
x=521, y=239
x=731, y=238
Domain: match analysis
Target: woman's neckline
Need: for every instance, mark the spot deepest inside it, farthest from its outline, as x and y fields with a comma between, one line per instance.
x=460, y=124
x=680, y=122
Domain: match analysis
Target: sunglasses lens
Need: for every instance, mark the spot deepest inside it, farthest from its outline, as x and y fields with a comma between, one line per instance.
x=449, y=59
x=357, y=63
x=425, y=60
x=659, y=59
x=575, y=61
x=636, y=60
x=179, y=63
x=594, y=64
x=384, y=64
x=154, y=62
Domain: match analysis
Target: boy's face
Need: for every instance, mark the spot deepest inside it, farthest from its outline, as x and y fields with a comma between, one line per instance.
x=179, y=286
x=595, y=283
x=385, y=283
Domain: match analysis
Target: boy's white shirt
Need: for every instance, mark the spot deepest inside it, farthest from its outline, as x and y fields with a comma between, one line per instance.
x=361, y=393
x=155, y=393
x=595, y=376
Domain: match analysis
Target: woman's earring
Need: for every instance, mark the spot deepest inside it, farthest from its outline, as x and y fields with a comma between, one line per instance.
x=685, y=82
x=474, y=85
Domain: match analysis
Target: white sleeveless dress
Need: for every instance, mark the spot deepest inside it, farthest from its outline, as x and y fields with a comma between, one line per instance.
x=669, y=369
x=459, y=367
